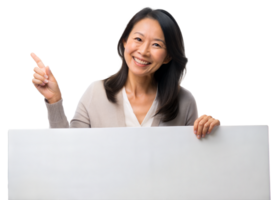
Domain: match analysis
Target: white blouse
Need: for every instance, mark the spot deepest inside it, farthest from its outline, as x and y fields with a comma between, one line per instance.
x=130, y=117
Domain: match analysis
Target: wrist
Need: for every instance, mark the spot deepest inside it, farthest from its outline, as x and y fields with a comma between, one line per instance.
x=53, y=100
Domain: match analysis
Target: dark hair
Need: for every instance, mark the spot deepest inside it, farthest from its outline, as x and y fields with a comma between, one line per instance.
x=168, y=76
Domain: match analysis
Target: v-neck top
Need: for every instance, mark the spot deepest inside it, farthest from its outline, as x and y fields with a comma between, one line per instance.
x=95, y=110
x=131, y=119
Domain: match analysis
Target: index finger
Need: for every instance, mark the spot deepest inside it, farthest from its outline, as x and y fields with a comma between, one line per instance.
x=35, y=57
x=37, y=60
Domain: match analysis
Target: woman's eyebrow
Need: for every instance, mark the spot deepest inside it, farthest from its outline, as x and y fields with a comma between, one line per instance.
x=154, y=38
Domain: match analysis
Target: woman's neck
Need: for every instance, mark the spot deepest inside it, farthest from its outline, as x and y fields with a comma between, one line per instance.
x=140, y=86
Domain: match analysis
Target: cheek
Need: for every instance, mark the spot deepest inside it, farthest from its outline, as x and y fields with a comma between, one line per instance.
x=127, y=53
x=126, y=50
x=130, y=48
x=160, y=56
x=127, y=56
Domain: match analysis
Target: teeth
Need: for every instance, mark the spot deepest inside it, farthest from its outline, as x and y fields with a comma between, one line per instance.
x=141, y=62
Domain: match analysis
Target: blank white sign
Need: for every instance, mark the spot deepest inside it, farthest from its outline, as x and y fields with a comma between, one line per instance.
x=232, y=163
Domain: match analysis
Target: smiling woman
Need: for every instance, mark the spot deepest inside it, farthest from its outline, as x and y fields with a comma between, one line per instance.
x=153, y=59
x=145, y=44
x=144, y=92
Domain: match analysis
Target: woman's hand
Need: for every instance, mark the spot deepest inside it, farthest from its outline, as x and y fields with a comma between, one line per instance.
x=203, y=125
x=43, y=80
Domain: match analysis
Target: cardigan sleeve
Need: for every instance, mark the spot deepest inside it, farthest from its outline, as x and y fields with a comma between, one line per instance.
x=56, y=116
x=58, y=119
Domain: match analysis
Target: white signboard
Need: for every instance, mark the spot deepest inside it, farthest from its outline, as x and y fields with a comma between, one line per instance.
x=139, y=163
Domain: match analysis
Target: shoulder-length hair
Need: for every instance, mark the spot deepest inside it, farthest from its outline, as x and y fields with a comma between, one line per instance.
x=168, y=76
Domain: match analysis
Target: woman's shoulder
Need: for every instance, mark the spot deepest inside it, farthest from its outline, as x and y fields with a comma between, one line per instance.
x=96, y=85
x=95, y=91
x=186, y=99
x=185, y=95
x=186, y=91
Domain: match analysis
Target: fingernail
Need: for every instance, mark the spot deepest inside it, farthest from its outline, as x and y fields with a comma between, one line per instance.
x=45, y=76
x=46, y=81
x=198, y=136
x=194, y=132
x=208, y=132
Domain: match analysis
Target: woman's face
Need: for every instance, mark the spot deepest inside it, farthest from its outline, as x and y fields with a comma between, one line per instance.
x=145, y=49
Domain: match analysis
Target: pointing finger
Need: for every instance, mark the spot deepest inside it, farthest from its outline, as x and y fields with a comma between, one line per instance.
x=35, y=57
x=37, y=60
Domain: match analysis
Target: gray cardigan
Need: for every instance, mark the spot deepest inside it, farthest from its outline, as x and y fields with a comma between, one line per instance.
x=95, y=110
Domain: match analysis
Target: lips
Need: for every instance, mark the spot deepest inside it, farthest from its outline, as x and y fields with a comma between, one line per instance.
x=142, y=60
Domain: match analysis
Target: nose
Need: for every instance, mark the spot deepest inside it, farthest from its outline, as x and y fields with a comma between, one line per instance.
x=144, y=49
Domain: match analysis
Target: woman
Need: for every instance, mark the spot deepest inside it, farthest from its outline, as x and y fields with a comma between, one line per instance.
x=145, y=92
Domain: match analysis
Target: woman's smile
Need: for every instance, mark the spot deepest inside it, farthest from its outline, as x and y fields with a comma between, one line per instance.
x=140, y=63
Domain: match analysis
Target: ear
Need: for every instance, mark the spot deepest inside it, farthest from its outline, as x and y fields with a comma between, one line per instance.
x=167, y=59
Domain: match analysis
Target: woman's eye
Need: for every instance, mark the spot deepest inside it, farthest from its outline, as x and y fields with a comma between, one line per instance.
x=139, y=40
x=157, y=45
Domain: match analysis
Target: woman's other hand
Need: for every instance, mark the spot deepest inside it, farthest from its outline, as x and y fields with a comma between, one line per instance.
x=204, y=125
